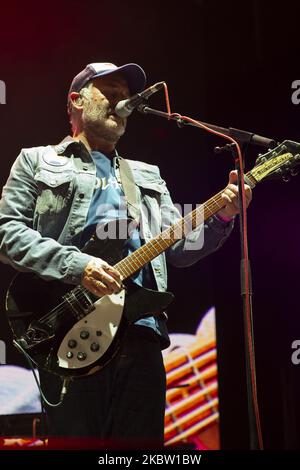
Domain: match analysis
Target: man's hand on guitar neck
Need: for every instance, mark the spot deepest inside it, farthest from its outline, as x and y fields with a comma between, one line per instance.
x=100, y=278
x=230, y=196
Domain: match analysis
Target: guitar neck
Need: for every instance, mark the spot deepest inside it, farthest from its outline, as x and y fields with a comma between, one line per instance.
x=139, y=258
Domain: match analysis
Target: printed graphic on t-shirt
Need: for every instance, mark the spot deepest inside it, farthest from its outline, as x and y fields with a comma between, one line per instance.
x=105, y=183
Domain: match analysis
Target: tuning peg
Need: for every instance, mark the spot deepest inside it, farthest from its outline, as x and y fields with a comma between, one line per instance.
x=286, y=178
x=260, y=159
x=294, y=172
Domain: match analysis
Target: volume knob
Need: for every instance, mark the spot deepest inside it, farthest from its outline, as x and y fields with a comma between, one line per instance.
x=72, y=343
x=84, y=334
x=81, y=356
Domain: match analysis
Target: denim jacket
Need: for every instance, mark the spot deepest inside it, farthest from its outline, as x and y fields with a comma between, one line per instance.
x=45, y=203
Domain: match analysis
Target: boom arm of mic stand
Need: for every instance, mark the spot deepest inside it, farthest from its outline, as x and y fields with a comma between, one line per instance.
x=243, y=137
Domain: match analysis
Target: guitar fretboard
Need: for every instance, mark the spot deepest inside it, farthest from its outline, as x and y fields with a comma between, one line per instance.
x=139, y=258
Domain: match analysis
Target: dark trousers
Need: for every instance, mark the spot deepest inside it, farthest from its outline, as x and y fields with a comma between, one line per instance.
x=124, y=402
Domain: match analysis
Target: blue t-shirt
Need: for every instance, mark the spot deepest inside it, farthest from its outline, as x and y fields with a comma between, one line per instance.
x=108, y=203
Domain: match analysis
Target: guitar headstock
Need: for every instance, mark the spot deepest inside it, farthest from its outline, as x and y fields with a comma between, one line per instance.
x=280, y=162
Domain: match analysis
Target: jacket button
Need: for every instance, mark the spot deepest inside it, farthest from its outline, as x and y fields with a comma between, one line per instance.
x=81, y=195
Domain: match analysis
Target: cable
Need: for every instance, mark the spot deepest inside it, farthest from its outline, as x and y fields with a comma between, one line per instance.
x=31, y=364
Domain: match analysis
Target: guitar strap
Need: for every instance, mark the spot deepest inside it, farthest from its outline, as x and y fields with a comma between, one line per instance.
x=129, y=188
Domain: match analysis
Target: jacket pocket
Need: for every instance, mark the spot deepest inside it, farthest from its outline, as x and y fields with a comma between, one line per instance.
x=150, y=185
x=54, y=190
x=150, y=198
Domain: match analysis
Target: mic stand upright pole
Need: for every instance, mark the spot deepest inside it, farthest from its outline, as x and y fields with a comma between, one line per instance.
x=243, y=138
x=246, y=294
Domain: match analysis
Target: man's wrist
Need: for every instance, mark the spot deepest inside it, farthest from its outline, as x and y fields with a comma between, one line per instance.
x=224, y=218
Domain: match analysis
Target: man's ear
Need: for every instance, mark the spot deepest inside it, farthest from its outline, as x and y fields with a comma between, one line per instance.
x=76, y=99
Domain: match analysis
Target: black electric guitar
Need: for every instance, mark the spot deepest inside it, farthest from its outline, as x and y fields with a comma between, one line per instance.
x=68, y=331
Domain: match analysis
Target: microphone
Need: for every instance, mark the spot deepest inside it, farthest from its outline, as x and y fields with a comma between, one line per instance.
x=125, y=107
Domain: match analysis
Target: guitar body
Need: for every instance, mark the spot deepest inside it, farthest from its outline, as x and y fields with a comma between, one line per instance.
x=70, y=332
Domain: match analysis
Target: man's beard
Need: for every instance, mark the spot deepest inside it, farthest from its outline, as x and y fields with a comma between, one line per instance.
x=97, y=123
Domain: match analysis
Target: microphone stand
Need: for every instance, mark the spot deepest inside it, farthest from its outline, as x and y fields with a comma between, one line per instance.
x=243, y=137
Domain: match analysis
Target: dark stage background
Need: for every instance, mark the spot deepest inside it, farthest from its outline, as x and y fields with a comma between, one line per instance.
x=228, y=63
